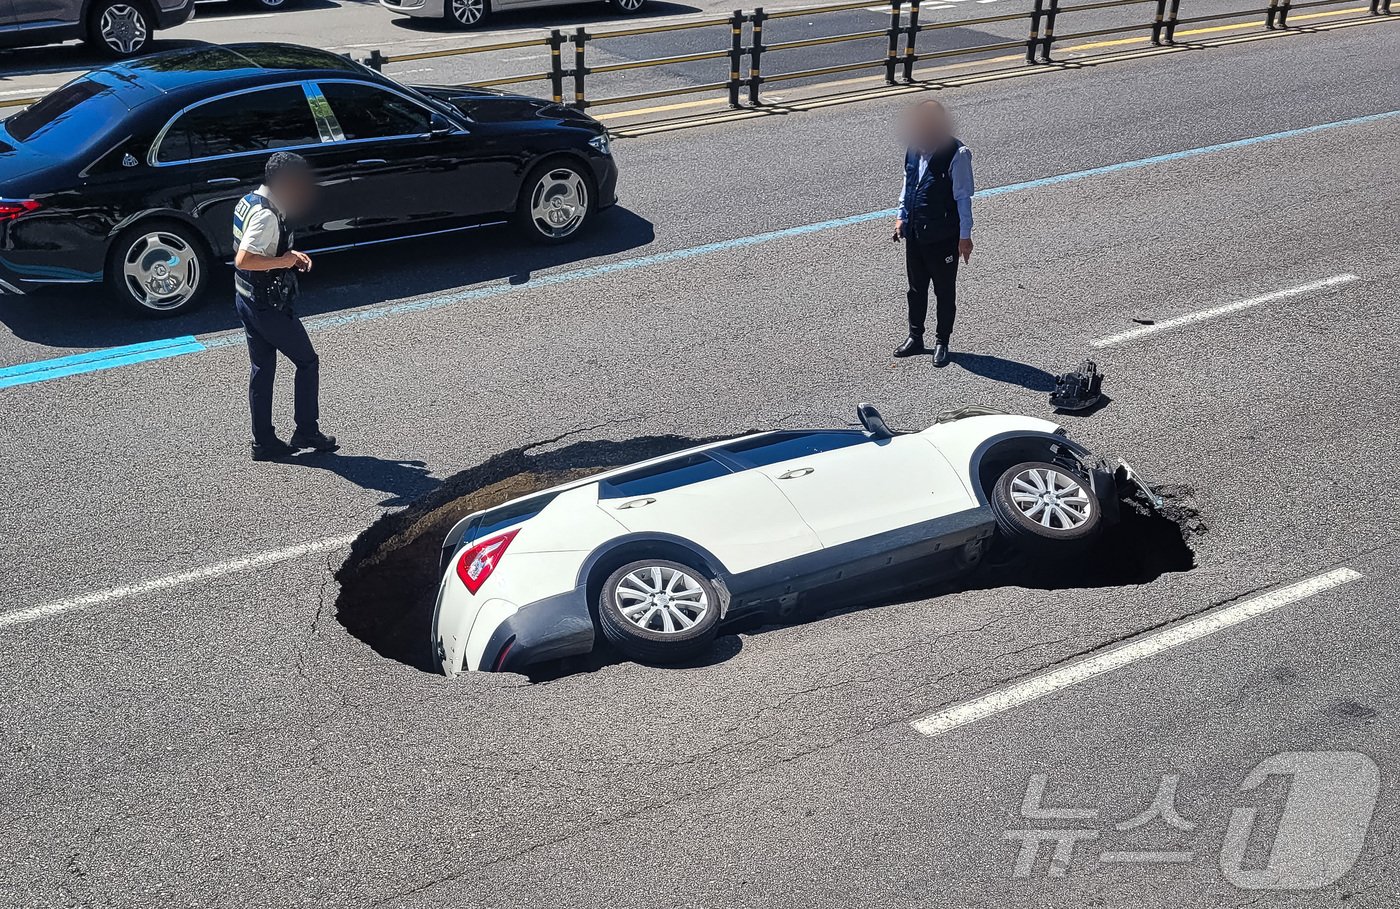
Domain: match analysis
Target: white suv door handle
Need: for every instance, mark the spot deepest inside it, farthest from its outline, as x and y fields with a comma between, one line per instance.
x=795, y=473
x=636, y=503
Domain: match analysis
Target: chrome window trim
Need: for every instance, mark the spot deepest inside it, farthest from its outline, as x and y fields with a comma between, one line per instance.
x=160, y=136
x=431, y=111
x=326, y=123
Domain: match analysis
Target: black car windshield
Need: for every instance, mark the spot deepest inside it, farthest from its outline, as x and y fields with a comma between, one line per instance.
x=68, y=118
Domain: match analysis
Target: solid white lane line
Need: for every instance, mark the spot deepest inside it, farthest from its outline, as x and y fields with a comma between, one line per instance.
x=258, y=560
x=1192, y=317
x=1072, y=674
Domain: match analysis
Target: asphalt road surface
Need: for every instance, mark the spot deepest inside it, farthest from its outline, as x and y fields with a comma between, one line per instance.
x=185, y=723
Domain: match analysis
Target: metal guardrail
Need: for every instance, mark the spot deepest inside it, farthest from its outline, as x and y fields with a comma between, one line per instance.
x=899, y=40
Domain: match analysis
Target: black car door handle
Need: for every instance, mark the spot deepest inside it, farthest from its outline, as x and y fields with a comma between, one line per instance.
x=372, y=161
x=220, y=180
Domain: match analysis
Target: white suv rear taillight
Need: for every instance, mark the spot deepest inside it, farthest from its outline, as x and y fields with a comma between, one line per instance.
x=476, y=563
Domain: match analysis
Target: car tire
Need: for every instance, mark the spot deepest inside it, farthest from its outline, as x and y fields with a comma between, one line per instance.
x=639, y=602
x=269, y=5
x=1045, y=509
x=557, y=199
x=628, y=7
x=466, y=13
x=120, y=28
x=159, y=268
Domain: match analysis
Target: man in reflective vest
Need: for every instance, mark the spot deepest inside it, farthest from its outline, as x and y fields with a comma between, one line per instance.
x=265, y=286
x=935, y=217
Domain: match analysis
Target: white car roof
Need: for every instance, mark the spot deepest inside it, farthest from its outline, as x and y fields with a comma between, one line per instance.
x=626, y=468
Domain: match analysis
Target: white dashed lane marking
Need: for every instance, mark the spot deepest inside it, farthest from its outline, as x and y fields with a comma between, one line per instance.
x=1039, y=686
x=1192, y=318
x=112, y=594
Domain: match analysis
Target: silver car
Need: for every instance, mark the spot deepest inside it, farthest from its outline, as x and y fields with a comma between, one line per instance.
x=468, y=13
x=120, y=28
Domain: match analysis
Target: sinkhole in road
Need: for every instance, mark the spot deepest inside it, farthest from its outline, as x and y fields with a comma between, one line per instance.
x=389, y=581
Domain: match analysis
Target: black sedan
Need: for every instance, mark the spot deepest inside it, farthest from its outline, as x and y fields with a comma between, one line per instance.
x=130, y=174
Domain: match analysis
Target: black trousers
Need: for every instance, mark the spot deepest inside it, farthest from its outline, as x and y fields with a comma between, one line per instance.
x=933, y=263
x=269, y=331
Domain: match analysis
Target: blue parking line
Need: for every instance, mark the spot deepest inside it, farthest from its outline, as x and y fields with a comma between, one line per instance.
x=95, y=360
x=44, y=370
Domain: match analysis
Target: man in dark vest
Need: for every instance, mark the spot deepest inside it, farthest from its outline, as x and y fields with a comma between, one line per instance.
x=935, y=217
x=265, y=286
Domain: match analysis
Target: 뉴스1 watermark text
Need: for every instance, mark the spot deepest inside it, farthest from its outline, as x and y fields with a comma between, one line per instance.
x=1301, y=836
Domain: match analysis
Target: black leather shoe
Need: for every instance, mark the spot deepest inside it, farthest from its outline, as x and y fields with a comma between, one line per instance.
x=940, y=353
x=317, y=441
x=912, y=345
x=272, y=451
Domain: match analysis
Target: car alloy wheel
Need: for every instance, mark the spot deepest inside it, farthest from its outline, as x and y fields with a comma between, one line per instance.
x=467, y=12
x=271, y=4
x=161, y=271
x=1045, y=508
x=658, y=611
x=661, y=599
x=629, y=6
x=123, y=28
x=1055, y=500
x=559, y=203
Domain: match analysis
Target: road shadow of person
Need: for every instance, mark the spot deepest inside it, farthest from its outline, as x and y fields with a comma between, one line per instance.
x=1001, y=369
x=84, y=316
x=404, y=481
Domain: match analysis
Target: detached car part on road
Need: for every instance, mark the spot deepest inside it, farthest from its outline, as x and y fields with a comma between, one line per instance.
x=130, y=174
x=656, y=555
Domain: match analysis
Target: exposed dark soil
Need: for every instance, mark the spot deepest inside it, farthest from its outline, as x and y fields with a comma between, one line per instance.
x=389, y=581
x=1145, y=544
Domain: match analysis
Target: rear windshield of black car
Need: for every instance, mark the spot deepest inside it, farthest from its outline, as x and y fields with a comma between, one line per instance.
x=68, y=118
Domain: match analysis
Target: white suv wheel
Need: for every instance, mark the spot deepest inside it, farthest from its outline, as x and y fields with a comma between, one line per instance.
x=658, y=611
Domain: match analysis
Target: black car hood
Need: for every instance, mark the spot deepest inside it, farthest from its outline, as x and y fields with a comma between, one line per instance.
x=486, y=106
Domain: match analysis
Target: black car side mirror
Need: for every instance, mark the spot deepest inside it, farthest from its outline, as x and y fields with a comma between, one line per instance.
x=439, y=126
